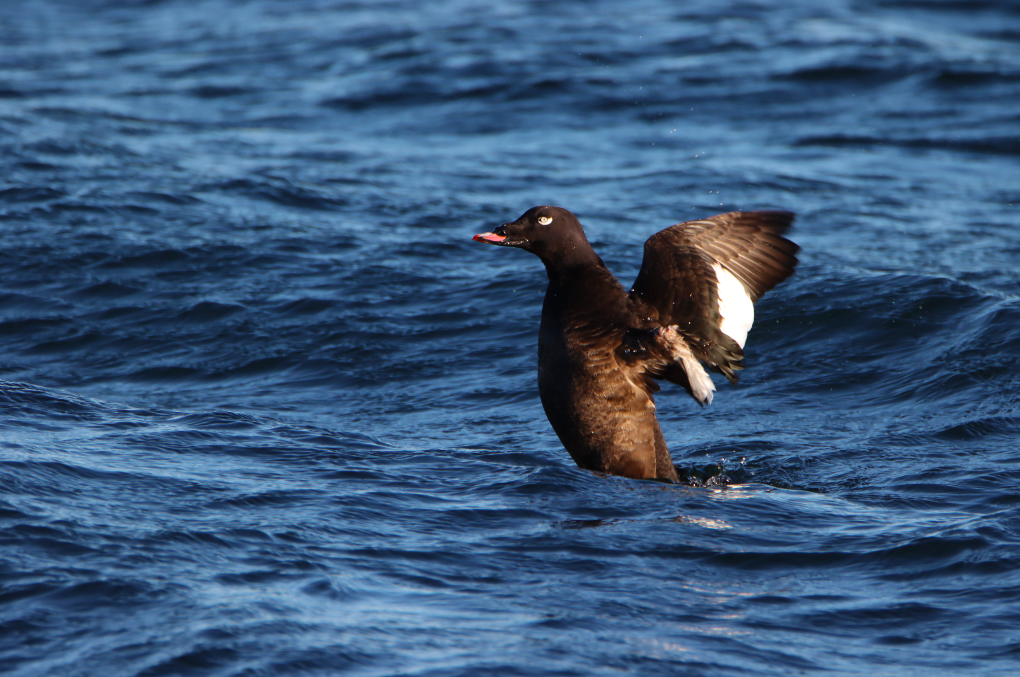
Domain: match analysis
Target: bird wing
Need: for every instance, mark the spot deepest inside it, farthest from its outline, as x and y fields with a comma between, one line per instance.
x=699, y=281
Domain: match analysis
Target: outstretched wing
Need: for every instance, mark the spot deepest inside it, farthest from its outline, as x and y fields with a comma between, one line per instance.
x=703, y=277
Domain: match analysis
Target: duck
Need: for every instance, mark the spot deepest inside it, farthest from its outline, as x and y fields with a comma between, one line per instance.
x=602, y=349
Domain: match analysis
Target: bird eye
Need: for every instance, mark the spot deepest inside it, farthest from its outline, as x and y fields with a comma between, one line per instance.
x=545, y=220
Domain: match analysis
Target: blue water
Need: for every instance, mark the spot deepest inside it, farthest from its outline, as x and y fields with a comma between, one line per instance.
x=266, y=409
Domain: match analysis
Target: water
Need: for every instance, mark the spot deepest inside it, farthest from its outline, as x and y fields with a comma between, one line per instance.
x=266, y=408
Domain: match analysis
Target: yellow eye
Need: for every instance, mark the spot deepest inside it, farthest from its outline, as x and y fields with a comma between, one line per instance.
x=545, y=220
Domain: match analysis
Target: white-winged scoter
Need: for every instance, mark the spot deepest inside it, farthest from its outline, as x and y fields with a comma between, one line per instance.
x=600, y=348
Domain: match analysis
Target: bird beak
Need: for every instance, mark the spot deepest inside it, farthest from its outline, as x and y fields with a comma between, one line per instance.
x=491, y=238
x=501, y=237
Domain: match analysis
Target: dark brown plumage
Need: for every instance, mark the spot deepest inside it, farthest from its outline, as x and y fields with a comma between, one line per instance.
x=601, y=348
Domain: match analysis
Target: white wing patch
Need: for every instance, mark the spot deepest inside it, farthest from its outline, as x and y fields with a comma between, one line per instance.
x=701, y=383
x=702, y=387
x=735, y=307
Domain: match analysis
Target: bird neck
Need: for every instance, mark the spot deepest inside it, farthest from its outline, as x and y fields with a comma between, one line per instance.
x=571, y=261
x=585, y=293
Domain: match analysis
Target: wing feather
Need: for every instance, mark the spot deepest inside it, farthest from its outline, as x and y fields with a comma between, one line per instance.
x=688, y=273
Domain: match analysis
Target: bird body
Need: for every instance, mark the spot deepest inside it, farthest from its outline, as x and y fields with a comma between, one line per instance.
x=600, y=406
x=601, y=348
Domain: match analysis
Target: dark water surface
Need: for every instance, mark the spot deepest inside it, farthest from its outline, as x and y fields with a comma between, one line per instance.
x=266, y=409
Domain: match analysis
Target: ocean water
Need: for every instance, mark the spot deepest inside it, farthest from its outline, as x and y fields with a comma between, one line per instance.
x=266, y=409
